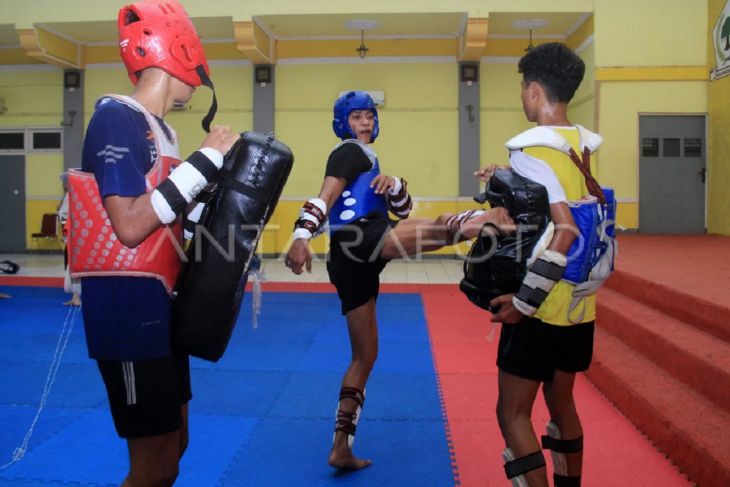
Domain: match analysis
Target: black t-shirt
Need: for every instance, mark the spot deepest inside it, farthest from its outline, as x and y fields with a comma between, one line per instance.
x=348, y=161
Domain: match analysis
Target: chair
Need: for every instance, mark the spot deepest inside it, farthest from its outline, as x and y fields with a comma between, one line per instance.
x=49, y=229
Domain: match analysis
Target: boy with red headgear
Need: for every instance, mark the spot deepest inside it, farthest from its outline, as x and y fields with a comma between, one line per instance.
x=126, y=230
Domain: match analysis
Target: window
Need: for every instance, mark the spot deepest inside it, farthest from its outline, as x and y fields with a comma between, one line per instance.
x=12, y=141
x=650, y=147
x=24, y=140
x=46, y=140
x=692, y=147
x=671, y=148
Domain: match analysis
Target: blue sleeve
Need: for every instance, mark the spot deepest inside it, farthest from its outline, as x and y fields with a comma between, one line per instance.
x=114, y=150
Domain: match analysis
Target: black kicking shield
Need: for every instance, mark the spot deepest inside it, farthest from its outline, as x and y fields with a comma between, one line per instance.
x=211, y=285
x=497, y=265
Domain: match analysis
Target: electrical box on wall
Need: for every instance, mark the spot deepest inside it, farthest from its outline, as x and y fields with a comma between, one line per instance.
x=378, y=96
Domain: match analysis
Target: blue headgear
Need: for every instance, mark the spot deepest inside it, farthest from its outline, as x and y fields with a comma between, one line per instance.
x=353, y=100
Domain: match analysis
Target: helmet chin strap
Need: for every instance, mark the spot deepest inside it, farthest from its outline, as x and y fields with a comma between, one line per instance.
x=205, y=79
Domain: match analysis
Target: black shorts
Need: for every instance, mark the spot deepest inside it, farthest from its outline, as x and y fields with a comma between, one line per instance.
x=354, y=264
x=534, y=350
x=145, y=396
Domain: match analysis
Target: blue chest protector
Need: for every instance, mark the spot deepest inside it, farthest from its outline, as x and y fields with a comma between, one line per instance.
x=358, y=199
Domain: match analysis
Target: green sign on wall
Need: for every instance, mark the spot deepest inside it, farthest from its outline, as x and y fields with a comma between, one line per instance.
x=721, y=42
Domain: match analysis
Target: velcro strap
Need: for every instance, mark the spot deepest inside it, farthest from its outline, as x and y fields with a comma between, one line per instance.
x=562, y=446
x=352, y=393
x=189, y=226
x=563, y=481
x=402, y=191
x=172, y=196
x=456, y=221
x=306, y=224
x=549, y=270
x=525, y=464
x=315, y=211
x=345, y=422
x=204, y=165
x=398, y=206
x=206, y=194
x=532, y=296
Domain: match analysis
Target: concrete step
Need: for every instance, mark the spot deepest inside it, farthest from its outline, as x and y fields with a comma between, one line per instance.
x=689, y=428
x=700, y=360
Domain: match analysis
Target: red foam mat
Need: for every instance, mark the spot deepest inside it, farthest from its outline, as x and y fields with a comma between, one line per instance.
x=616, y=453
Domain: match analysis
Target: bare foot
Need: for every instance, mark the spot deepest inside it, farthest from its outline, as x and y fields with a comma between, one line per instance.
x=345, y=459
x=5, y=296
x=74, y=301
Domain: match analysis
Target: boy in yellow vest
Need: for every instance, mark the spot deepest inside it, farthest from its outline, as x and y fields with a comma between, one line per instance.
x=543, y=340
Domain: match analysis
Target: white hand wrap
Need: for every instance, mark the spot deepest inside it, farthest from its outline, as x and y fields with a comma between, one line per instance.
x=539, y=281
x=311, y=219
x=399, y=201
x=171, y=197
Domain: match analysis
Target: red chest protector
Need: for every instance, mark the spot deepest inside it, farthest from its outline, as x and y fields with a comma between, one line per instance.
x=95, y=250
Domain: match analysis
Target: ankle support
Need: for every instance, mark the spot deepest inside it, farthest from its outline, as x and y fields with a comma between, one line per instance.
x=515, y=468
x=559, y=447
x=346, y=421
x=455, y=222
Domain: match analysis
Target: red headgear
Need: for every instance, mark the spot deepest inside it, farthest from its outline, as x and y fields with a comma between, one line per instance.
x=159, y=33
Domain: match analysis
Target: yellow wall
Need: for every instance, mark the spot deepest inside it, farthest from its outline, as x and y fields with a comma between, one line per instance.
x=650, y=32
x=43, y=193
x=418, y=132
x=418, y=124
x=233, y=84
x=620, y=104
x=34, y=99
x=718, y=218
x=582, y=108
x=501, y=110
x=641, y=67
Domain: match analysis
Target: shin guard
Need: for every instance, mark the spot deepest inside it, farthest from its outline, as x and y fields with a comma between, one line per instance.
x=346, y=421
x=515, y=468
x=558, y=449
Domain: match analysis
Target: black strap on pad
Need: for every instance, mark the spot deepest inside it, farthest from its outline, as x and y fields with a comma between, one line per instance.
x=211, y=285
x=525, y=464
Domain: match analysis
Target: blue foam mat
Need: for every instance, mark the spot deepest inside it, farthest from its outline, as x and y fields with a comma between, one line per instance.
x=262, y=415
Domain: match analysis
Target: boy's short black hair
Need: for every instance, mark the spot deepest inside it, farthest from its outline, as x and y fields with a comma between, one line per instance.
x=556, y=67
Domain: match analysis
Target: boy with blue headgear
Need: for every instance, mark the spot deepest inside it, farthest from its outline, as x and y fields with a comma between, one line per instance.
x=356, y=197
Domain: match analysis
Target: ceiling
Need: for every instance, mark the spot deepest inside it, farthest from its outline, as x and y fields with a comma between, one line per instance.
x=323, y=26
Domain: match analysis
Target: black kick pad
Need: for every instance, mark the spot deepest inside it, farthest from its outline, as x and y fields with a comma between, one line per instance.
x=211, y=285
x=497, y=265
